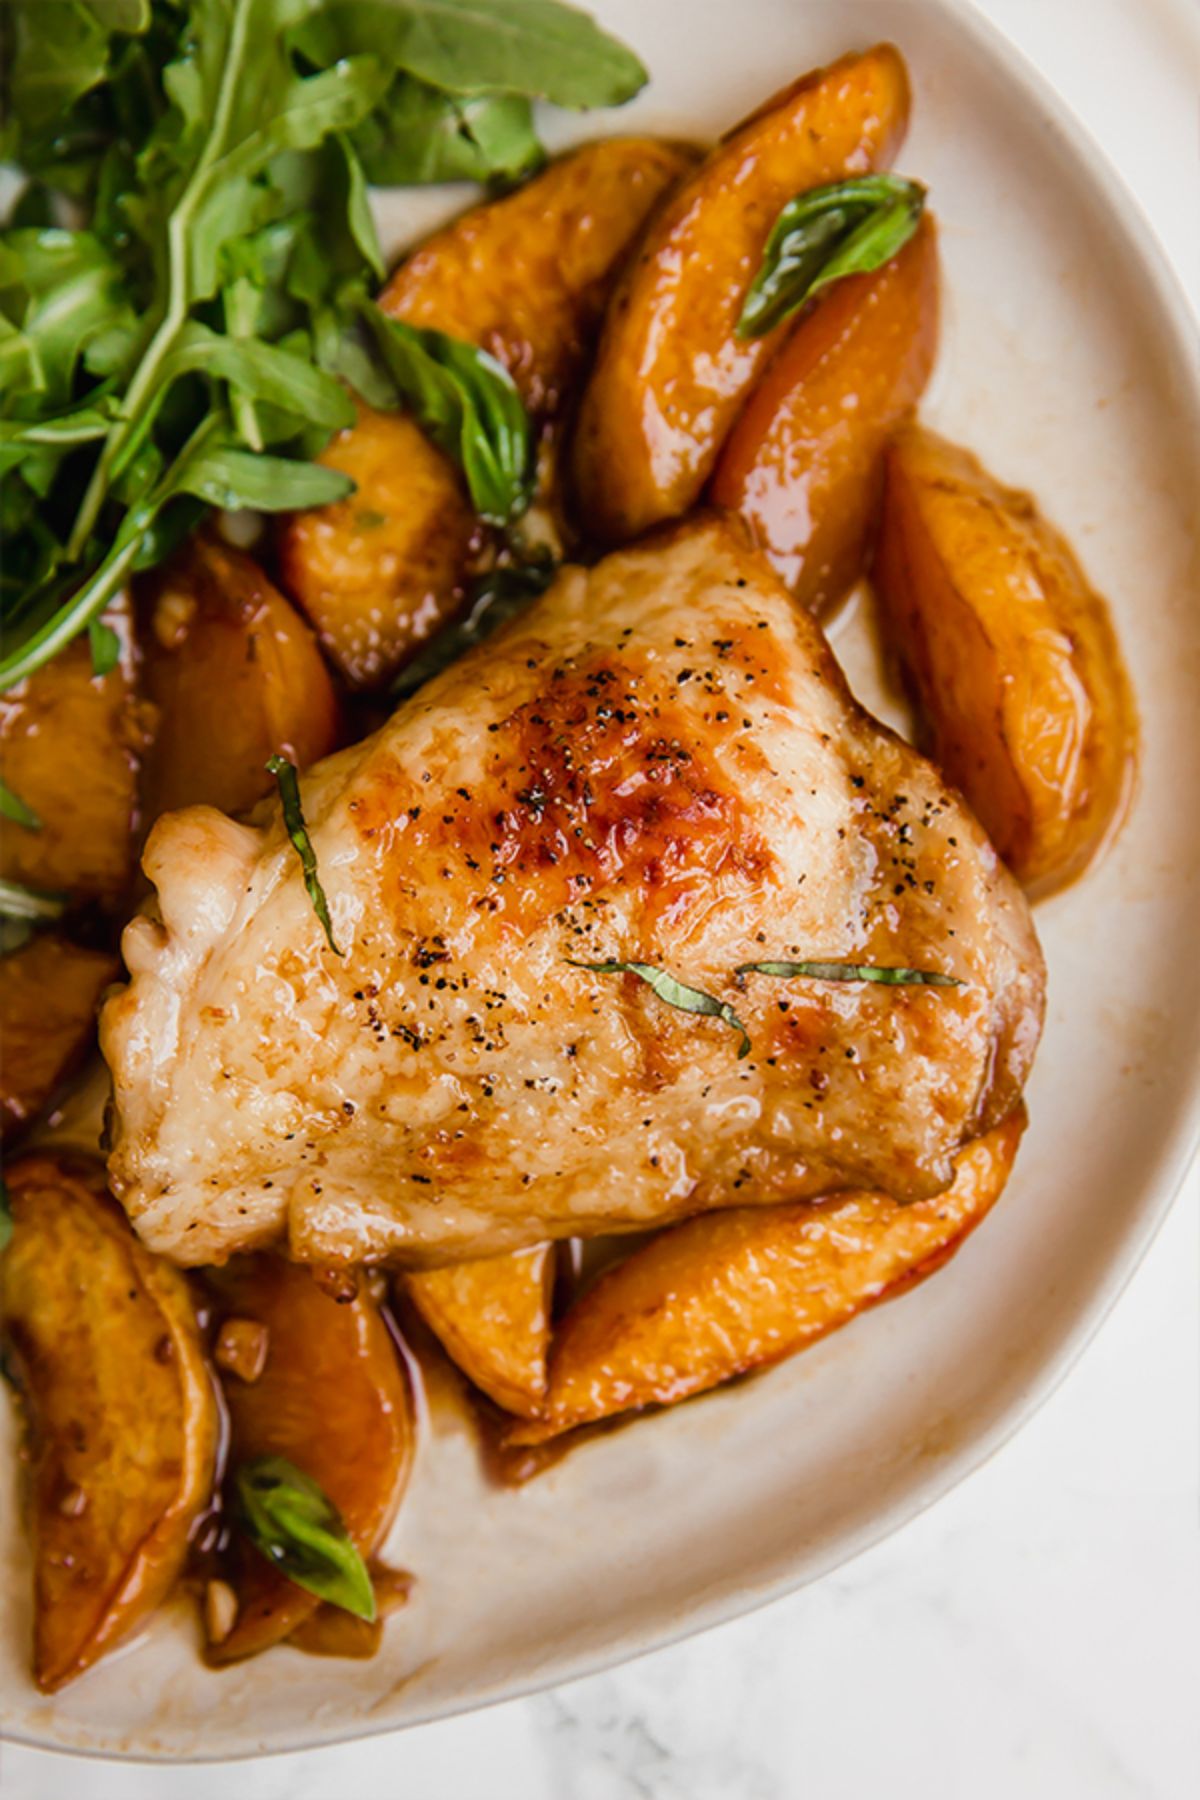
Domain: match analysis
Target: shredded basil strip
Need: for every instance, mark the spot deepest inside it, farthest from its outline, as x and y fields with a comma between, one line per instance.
x=844, y=228
x=6, y=1218
x=17, y=902
x=13, y=807
x=676, y=993
x=292, y=1521
x=293, y=818
x=830, y=971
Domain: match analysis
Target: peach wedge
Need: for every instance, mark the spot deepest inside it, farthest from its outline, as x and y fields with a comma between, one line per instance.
x=671, y=375
x=732, y=1291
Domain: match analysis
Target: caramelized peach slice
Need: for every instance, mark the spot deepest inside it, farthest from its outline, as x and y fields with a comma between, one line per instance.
x=803, y=465
x=525, y=278
x=235, y=675
x=49, y=991
x=492, y=1317
x=733, y=1291
x=69, y=747
x=1010, y=656
x=671, y=374
x=122, y=1414
x=332, y=1398
x=378, y=572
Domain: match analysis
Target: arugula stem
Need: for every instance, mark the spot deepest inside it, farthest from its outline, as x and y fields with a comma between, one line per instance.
x=89, y=601
x=87, y=604
x=178, y=307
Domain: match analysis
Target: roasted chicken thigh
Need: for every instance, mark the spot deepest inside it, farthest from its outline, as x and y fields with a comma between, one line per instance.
x=659, y=762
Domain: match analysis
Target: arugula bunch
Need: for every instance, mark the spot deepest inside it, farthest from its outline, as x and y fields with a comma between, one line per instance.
x=185, y=276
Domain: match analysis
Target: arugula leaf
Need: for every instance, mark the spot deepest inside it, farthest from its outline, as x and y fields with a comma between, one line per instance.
x=418, y=136
x=121, y=15
x=254, y=371
x=17, y=902
x=495, y=598
x=469, y=405
x=828, y=971
x=234, y=123
x=61, y=289
x=210, y=302
x=232, y=478
x=52, y=68
x=675, y=992
x=105, y=647
x=78, y=425
x=359, y=220
x=13, y=807
x=293, y=819
x=540, y=48
x=287, y=1516
x=844, y=228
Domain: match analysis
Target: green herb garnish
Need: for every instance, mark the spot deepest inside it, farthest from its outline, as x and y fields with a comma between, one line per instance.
x=17, y=902
x=6, y=1218
x=676, y=993
x=293, y=819
x=831, y=971
x=13, y=807
x=418, y=135
x=105, y=647
x=183, y=277
x=290, y=1519
x=468, y=404
x=846, y=228
x=539, y=48
x=495, y=598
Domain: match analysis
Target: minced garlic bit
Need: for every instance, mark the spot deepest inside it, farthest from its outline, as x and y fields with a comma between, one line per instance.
x=241, y=1348
x=220, y=1611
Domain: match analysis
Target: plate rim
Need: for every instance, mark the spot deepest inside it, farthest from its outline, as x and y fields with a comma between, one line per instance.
x=1161, y=1184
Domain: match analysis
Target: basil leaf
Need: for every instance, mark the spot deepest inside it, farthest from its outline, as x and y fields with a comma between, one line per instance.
x=419, y=135
x=293, y=819
x=469, y=405
x=295, y=1525
x=675, y=993
x=105, y=647
x=845, y=228
x=495, y=598
x=6, y=1218
x=830, y=971
x=17, y=902
x=541, y=48
x=13, y=807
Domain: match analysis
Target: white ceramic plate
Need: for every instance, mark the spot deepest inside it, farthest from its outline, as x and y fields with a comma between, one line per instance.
x=1069, y=363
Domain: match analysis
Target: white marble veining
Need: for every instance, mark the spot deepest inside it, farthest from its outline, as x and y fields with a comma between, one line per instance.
x=1036, y=1634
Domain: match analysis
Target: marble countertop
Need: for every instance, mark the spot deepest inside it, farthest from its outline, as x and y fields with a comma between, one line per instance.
x=1037, y=1633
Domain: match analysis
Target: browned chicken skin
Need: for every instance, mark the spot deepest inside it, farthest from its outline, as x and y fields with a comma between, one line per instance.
x=659, y=762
